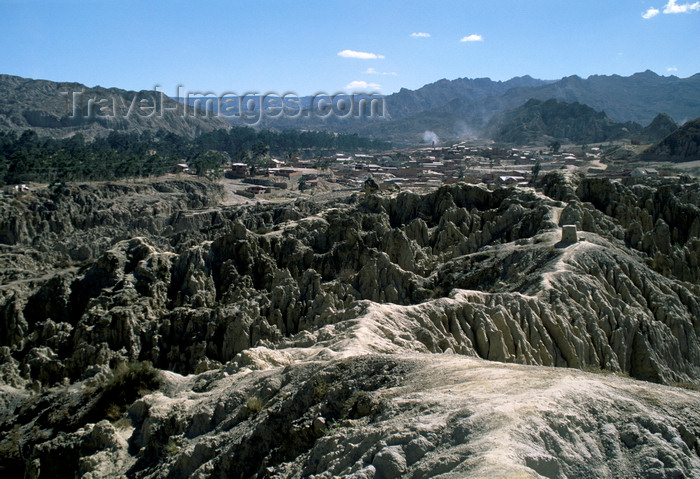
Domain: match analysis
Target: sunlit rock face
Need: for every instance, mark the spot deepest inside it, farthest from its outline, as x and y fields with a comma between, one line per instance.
x=408, y=335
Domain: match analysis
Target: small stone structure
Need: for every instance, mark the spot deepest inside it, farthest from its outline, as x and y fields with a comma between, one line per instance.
x=569, y=234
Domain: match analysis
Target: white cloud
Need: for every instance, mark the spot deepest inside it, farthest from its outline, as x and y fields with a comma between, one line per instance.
x=360, y=55
x=420, y=35
x=672, y=69
x=671, y=7
x=652, y=12
x=372, y=71
x=361, y=85
x=472, y=38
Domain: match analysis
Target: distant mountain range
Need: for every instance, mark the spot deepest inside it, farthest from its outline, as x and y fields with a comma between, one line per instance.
x=464, y=108
x=638, y=98
x=60, y=109
x=435, y=95
x=452, y=109
x=540, y=121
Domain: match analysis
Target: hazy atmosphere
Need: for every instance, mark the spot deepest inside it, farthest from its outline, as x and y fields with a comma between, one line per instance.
x=361, y=239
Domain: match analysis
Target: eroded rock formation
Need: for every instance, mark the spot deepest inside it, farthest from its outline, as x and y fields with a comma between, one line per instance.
x=96, y=277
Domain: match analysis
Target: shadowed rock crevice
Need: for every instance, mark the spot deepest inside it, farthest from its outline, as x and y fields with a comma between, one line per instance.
x=269, y=272
x=296, y=339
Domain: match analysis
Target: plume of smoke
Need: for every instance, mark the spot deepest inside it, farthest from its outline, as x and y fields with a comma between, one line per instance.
x=464, y=131
x=430, y=137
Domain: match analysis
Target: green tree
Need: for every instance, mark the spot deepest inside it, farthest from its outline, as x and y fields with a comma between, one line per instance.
x=28, y=141
x=245, y=156
x=322, y=162
x=258, y=155
x=260, y=149
x=208, y=164
x=19, y=170
x=292, y=155
x=242, y=156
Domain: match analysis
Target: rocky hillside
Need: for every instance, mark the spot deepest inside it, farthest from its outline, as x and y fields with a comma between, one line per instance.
x=434, y=95
x=150, y=332
x=540, y=122
x=60, y=109
x=639, y=97
x=462, y=109
x=660, y=127
x=680, y=146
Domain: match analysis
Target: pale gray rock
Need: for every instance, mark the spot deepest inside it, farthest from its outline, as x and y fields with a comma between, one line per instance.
x=425, y=330
x=390, y=462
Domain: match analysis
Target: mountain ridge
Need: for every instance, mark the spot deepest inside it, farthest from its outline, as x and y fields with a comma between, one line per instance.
x=679, y=146
x=455, y=109
x=639, y=98
x=447, y=90
x=540, y=122
x=59, y=109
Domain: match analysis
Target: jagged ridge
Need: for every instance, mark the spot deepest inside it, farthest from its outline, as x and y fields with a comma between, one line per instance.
x=226, y=279
x=356, y=313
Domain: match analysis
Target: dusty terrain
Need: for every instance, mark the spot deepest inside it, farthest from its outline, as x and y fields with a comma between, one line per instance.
x=156, y=330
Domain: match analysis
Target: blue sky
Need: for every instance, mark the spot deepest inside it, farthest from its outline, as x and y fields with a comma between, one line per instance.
x=307, y=47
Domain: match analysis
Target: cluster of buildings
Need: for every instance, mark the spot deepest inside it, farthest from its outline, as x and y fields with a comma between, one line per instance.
x=417, y=168
x=400, y=169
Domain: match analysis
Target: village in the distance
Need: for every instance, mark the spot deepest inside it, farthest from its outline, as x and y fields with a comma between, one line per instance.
x=421, y=169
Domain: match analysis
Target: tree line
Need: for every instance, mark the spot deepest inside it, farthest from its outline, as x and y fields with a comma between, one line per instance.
x=27, y=157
